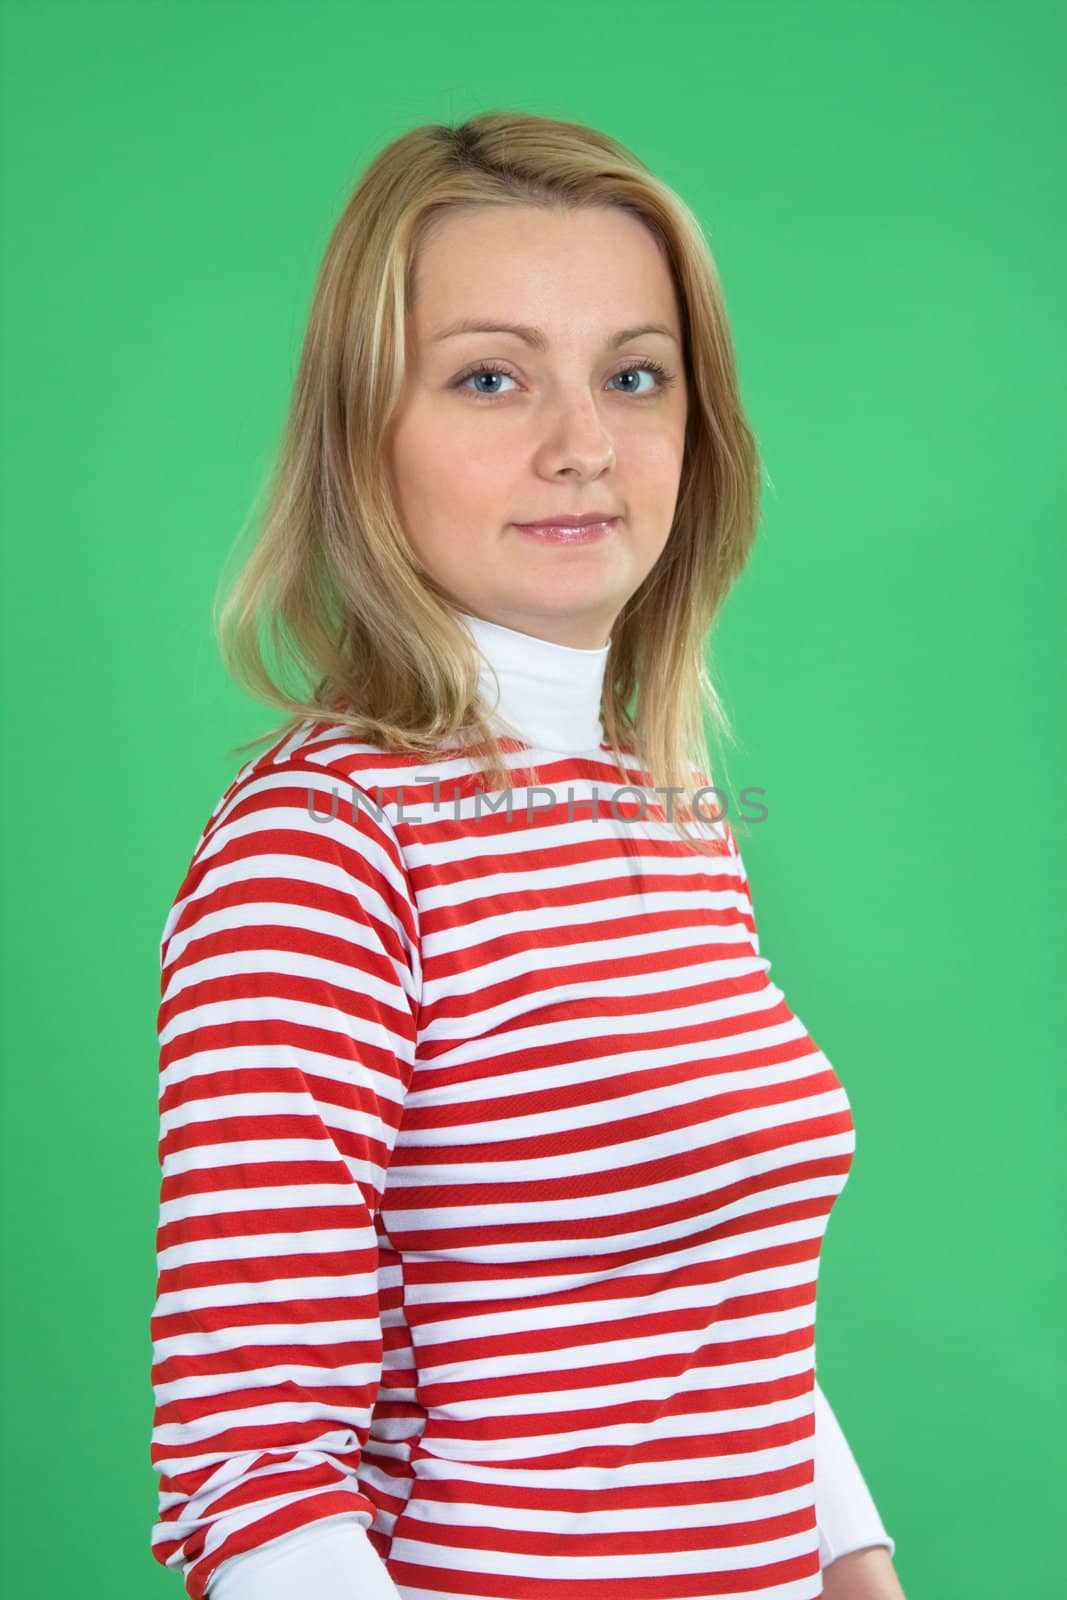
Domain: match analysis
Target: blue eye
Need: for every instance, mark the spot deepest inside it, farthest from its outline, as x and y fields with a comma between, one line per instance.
x=488, y=369
x=644, y=366
x=483, y=372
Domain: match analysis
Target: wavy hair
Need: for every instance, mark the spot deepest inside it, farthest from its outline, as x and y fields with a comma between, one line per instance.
x=332, y=580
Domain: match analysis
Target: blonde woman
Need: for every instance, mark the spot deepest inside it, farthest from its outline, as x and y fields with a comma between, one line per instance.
x=495, y=1167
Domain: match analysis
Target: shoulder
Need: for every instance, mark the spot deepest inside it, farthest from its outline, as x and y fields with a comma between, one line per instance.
x=325, y=766
x=288, y=819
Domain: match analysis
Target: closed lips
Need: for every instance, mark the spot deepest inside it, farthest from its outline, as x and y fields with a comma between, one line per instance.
x=593, y=518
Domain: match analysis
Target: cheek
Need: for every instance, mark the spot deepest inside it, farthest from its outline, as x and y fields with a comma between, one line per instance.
x=454, y=492
x=660, y=473
x=661, y=451
x=462, y=479
x=443, y=461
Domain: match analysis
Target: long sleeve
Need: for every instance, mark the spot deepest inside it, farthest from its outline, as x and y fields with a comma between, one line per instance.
x=290, y=979
x=846, y=1515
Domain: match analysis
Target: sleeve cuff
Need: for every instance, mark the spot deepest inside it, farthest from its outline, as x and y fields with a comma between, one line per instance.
x=331, y=1559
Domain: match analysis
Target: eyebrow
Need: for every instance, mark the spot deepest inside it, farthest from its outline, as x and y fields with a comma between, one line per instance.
x=534, y=336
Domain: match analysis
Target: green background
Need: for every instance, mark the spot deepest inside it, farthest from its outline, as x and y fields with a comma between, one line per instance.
x=883, y=189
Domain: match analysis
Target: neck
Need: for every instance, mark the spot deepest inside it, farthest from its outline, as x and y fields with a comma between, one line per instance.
x=545, y=694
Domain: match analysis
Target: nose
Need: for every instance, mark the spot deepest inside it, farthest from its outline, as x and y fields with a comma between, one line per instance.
x=576, y=440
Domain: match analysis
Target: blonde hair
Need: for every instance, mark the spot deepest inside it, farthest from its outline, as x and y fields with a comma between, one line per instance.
x=343, y=595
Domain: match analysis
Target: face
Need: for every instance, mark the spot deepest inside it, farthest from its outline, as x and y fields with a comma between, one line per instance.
x=566, y=422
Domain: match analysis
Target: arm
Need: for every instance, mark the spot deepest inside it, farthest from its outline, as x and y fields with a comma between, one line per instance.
x=290, y=977
x=862, y=1575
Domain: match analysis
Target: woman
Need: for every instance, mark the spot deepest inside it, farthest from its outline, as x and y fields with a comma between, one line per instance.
x=495, y=1167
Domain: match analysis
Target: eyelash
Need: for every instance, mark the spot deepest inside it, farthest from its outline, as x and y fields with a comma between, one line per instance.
x=665, y=378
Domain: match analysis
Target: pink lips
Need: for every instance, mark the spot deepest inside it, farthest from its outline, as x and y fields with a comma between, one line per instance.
x=569, y=530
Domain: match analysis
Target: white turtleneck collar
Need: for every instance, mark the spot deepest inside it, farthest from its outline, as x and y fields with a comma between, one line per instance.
x=549, y=693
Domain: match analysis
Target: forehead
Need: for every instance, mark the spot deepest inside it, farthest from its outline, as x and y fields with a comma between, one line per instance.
x=576, y=272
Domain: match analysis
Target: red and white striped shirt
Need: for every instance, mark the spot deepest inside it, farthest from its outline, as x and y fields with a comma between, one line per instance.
x=495, y=1172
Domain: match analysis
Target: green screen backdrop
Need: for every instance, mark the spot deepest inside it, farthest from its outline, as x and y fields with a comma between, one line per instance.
x=883, y=190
